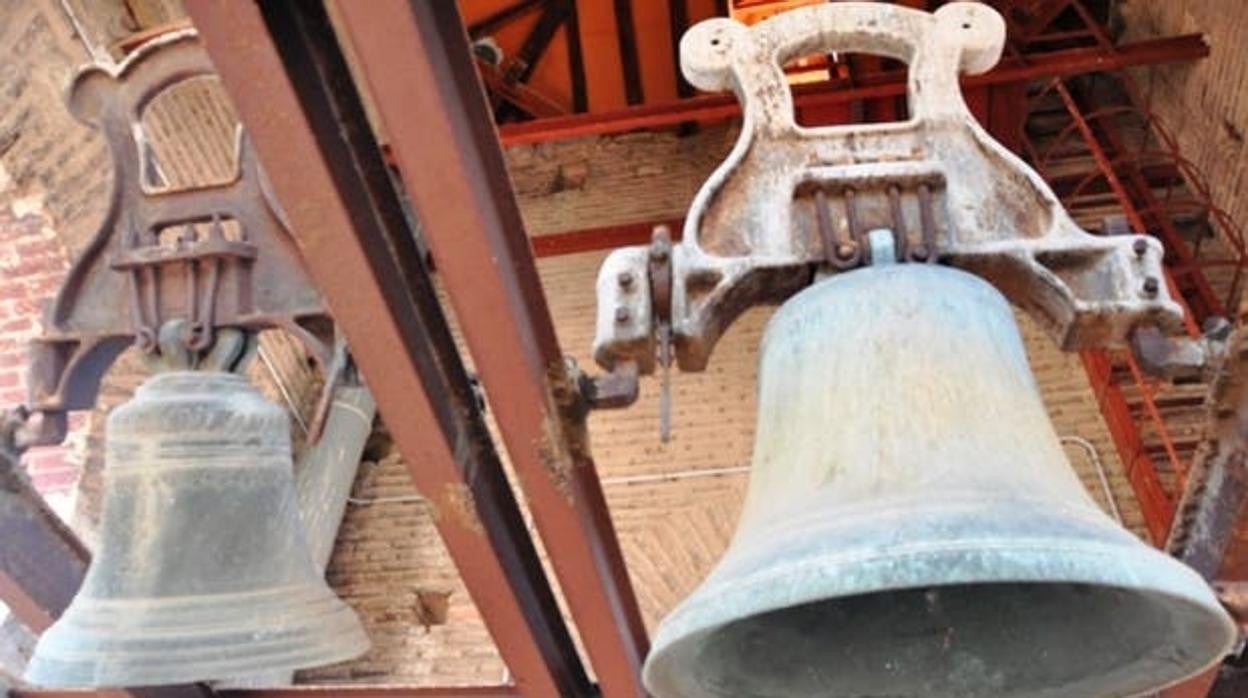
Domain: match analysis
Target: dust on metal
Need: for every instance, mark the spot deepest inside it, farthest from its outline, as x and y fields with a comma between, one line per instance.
x=134, y=275
x=1216, y=495
x=789, y=200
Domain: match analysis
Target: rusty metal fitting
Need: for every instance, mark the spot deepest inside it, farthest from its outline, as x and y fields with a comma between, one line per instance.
x=626, y=279
x=622, y=315
x=1140, y=246
x=1151, y=286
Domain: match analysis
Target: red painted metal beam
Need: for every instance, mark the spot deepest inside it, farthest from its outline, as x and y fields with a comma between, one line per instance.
x=292, y=89
x=1155, y=503
x=604, y=238
x=414, y=57
x=42, y=563
x=891, y=84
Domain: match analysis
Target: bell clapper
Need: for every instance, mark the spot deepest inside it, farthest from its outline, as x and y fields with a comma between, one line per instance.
x=660, y=273
x=665, y=383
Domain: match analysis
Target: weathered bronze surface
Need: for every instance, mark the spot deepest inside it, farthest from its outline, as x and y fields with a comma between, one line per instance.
x=791, y=199
x=202, y=570
x=913, y=528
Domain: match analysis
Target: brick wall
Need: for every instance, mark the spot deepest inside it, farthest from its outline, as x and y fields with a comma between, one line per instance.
x=1204, y=103
x=52, y=186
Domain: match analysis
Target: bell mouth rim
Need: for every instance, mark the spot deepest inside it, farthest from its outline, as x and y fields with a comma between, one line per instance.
x=1151, y=573
x=222, y=651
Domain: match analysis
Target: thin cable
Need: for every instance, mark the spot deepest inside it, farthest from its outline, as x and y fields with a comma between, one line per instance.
x=694, y=474
x=1095, y=457
x=97, y=54
x=281, y=388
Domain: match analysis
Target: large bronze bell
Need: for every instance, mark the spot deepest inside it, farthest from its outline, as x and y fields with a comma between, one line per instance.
x=202, y=570
x=913, y=528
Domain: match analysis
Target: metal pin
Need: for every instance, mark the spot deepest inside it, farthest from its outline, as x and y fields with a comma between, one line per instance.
x=665, y=384
x=901, y=239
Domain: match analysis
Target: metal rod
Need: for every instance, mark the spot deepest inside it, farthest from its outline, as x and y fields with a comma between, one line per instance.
x=1095, y=456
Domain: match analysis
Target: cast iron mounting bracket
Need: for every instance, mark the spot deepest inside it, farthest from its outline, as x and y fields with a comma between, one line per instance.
x=166, y=255
x=790, y=200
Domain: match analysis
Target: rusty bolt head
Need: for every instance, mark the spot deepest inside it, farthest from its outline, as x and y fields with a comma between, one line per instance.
x=625, y=279
x=845, y=250
x=919, y=252
x=658, y=253
x=1151, y=286
x=1140, y=246
x=622, y=315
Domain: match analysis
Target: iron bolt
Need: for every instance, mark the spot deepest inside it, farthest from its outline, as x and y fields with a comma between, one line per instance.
x=845, y=250
x=919, y=252
x=622, y=315
x=1151, y=286
x=625, y=279
x=1140, y=246
x=658, y=253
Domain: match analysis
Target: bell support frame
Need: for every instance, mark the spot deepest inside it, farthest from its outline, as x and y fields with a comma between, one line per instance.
x=203, y=273
x=790, y=199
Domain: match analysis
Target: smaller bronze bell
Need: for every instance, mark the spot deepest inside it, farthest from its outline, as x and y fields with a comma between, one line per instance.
x=202, y=570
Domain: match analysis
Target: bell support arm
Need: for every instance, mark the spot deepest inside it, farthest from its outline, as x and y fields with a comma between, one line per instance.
x=207, y=257
x=791, y=200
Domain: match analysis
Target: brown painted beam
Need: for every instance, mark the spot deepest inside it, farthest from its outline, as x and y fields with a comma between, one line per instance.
x=414, y=57
x=42, y=563
x=292, y=89
x=892, y=84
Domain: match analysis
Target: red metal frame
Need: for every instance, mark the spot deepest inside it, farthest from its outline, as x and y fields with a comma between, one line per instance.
x=291, y=90
x=880, y=85
x=1121, y=172
x=414, y=58
x=507, y=325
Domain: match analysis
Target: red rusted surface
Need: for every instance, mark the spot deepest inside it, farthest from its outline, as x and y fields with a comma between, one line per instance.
x=415, y=60
x=604, y=238
x=41, y=561
x=361, y=257
x=1155, y=503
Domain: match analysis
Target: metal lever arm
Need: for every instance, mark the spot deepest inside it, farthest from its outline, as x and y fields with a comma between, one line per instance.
x=790, y=199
